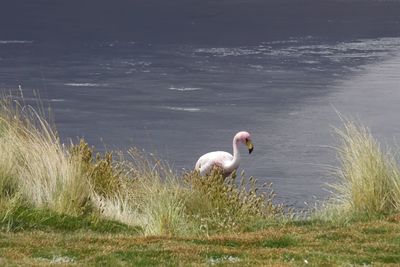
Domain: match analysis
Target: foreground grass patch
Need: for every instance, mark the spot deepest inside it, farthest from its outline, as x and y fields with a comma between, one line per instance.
x=312, y=245
x=24, y=218
x=138, y=257
x=278, y=242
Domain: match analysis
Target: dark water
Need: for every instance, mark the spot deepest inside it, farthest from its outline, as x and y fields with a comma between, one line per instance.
x=181, y=78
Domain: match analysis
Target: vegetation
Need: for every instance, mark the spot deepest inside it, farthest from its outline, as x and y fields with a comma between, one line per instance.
x=38, y=172
x=303, y=243
x=65, y=204
x=368, y=183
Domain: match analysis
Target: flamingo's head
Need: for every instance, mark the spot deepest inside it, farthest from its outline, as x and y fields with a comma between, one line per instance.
x=245, y=138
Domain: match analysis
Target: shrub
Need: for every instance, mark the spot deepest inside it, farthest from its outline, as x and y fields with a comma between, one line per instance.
x=218, y=203
x=103, y=175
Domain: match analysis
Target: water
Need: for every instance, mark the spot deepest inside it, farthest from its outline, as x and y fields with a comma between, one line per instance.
x=181, y=97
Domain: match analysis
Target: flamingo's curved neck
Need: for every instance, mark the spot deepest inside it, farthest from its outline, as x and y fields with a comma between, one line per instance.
x=234, y=164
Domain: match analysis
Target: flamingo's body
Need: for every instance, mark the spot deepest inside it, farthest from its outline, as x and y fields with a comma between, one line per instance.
x=223, y=159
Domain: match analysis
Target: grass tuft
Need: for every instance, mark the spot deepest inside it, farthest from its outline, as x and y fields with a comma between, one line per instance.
x=368, y=178
x=38, y=166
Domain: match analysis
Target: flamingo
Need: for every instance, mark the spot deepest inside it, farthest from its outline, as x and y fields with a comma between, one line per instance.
x=223, y=159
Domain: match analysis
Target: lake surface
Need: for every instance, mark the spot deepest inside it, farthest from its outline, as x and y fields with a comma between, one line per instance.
x=180, y=94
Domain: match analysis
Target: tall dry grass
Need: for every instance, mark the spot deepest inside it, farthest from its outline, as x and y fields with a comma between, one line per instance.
x=35, y=164
x=38, y=171
x=149, y=197
x=368, y=177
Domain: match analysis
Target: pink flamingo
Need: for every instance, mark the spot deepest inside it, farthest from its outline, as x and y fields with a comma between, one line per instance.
x=223, y=159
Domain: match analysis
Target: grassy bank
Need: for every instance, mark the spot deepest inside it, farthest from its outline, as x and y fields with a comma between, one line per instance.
x=65, y=203
x=371, y=243
x=37, y=172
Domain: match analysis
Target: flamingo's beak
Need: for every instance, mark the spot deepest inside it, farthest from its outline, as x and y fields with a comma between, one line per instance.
x=249, y=145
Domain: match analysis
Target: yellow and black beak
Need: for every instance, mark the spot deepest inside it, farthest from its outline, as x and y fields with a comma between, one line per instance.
x=249, y=145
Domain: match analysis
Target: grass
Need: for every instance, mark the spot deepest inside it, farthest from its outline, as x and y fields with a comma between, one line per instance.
x=28, y=219
x=34, y=164
x=38, y=172
x=65, y=204
x=317, y=244
x=368, y=184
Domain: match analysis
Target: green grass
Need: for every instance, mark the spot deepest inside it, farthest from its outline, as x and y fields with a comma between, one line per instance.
x=138, y=257
x=24, y=218
x=284, y=245
x=279, y=242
